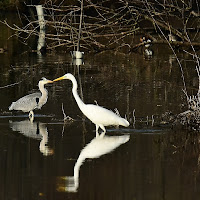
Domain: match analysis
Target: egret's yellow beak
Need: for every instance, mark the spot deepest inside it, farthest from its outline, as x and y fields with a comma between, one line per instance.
x=58, y=79
x=49, y=81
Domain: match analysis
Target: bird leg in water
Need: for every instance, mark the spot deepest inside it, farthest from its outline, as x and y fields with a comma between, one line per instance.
x=103, y=128
x=97, y=133
x=31, y=116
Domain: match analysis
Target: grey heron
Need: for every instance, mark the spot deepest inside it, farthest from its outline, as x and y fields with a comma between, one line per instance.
x=33, y=101
x=98, y=115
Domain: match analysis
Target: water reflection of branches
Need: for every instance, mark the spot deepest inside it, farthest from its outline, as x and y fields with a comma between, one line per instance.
x=186, y=147
x=191, y=117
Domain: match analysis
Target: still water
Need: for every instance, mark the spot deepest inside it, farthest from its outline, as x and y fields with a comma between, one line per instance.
x=50, y=159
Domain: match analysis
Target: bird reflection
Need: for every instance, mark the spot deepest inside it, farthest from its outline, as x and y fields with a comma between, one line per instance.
x=99, y=146
x=34, y=130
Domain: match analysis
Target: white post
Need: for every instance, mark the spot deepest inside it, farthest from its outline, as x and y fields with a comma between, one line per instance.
x=41, y=21
x=41, y=41
x=40, y=14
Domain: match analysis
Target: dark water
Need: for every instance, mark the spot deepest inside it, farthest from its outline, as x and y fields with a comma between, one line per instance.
x=147, y=160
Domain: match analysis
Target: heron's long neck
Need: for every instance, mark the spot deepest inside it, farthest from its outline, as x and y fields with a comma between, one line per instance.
x=44, y=92
x=75, y=93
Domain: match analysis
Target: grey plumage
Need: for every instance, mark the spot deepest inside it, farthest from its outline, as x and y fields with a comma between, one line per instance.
x=33, y=101
x=27, y=103
x=28, y=129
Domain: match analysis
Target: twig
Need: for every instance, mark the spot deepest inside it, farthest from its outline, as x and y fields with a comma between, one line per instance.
x=66, y=118
x=182, y=73
x=80, y=24
x=10, y=85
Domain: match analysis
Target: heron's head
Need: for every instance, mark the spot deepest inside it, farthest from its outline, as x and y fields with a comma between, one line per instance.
x=66, y=76
x=45, y=81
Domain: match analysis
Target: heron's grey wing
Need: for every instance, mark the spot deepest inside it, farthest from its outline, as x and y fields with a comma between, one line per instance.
x=26, y=103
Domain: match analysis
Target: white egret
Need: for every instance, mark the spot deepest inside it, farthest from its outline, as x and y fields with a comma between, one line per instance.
x=33, y=101
x=100, y=116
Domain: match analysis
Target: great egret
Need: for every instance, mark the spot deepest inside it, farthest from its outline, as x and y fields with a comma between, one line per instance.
x=33, y=101
x=98, y=115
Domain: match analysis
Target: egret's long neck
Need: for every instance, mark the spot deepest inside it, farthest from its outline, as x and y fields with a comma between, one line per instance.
x=44, y=92
x=75, y=93
x=77, y=166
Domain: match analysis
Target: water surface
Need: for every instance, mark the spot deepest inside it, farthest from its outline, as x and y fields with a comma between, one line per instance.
x=147, y=160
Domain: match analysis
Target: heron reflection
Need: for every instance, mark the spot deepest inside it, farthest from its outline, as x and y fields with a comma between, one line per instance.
x=99, y=146
x=34, y=130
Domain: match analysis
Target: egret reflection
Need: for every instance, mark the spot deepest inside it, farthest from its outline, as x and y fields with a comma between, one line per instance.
x=99, y=146
x=34, y=130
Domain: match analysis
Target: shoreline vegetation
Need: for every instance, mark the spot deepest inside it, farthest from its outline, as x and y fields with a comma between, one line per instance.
x=97, y=26
x=109, y=25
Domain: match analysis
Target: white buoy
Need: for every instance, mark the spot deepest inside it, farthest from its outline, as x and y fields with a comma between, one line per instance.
x=77, y=54
x=77, y=61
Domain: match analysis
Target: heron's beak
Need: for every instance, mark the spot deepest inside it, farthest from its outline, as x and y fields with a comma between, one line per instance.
x=49, y=81
x=58, y=79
